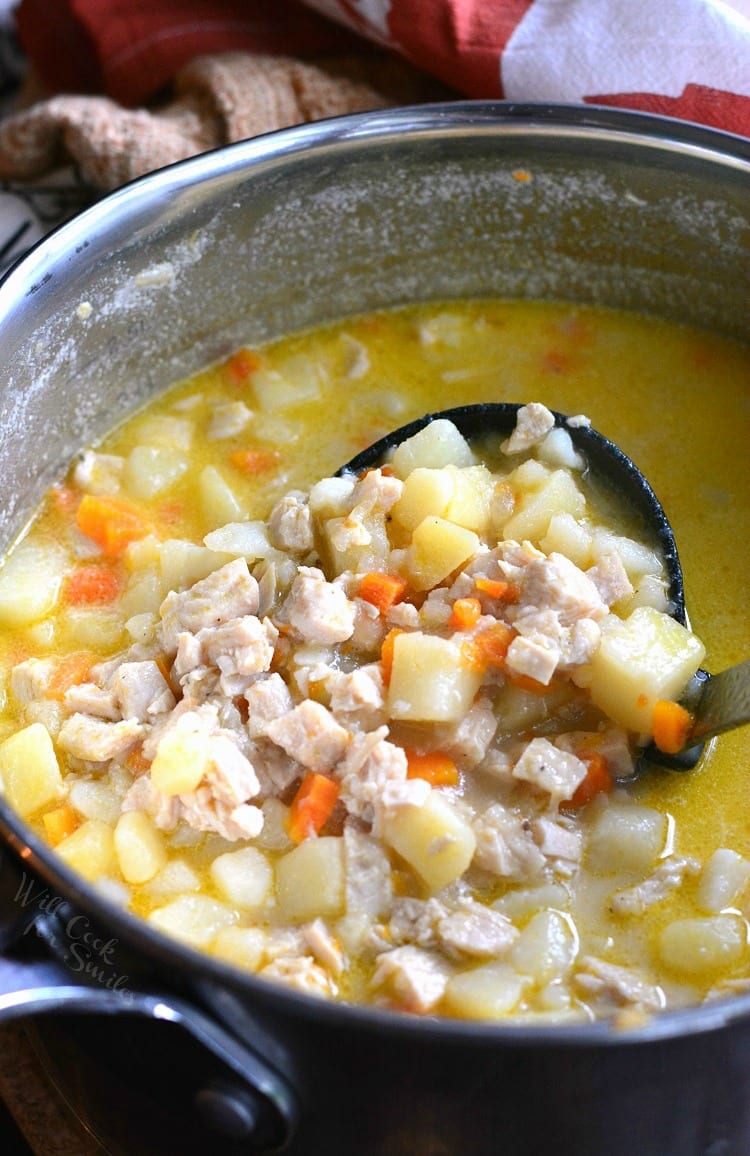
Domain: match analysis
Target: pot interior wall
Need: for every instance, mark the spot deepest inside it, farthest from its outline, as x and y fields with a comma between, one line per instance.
x=275, y=235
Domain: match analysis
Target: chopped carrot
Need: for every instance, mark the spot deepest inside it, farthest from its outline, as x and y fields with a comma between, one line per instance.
x=522, y=175
x=60, y=823
x=437, y=769
x=382, y=590
x=502, y=591
x=64, y=498
x=488, y=647
x=92, y=586
x=112, y=523
x=642, y=700
x=672, y=726
x=253, y=463
x=311, y=806
x=70, y=671
x=386, y=654
x=526, y=682
x=466, y=613
x=240, y=365
x=597, y=781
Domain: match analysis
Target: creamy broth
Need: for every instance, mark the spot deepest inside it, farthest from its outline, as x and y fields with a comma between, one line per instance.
x=677, y=401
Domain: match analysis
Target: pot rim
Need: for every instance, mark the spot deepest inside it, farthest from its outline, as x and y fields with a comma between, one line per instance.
x=671, y=138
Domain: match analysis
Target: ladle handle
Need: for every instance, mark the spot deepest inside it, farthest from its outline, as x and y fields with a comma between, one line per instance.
x=724, y=702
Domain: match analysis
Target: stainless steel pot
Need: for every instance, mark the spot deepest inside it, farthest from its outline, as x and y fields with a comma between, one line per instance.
x=247, y=243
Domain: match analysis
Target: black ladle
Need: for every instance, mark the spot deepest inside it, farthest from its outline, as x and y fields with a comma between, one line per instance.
x=718, y=702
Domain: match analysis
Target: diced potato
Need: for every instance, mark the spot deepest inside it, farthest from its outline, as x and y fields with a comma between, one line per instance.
x=241, y=946
x=545, y=948
x=175, y=877
x=426, y=493
x=636, y=558
x=142, y=553
x=295, y=380
x=330, y=497
x=183, y=563
x=438, y=547
x=219, y=502
x=95, y=629
x=28, y=767
x=529, y=477
x=535, y=510
x=142, y=628
x=557, y=449
x=167, y=431
x=193, y=919
x=696, y=947
x=430, y=680
x=139, y=847
x=95, y=799
x=434, y=839
x=241, y=540
x=473, y=489
x=646, y=657
x=30, y=582
x=520, y=902
x=518, y=710
x=243, y=877
x=567, y=536
x=650, y=590
x=90, y=850
x=144, y=593
x=486, y=993
x=439, y=444
x=625, y=838
x=150, y=470
x=724, y=877
x=310, y=879
x=181, y=760
x=274, y=835
x=346, y=552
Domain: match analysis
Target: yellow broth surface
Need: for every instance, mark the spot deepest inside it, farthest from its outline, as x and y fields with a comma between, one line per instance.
x=677, y=401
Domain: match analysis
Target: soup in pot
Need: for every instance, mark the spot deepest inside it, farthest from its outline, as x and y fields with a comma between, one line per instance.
x=374, y=736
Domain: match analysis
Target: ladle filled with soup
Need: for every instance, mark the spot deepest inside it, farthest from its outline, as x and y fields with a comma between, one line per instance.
x=369, y=737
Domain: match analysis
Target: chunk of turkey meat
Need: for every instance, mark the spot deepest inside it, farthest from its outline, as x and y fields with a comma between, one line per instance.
x=506, y=846
x=97, y=741
x=141, y=690
x=616, y=986
x=477, y=931
x=533, y=423
x=290, y=524
x=229, y=592
x=611, y=579
x=319, y=610
x=416, y=978
x=311, y=735
x=667, y=877
x=552, y=771
x=267, y=699
x=369, y=889
x=358, y=698
x=370, y=764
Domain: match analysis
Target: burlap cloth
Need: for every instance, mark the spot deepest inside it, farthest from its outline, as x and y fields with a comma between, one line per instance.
x=217, y=100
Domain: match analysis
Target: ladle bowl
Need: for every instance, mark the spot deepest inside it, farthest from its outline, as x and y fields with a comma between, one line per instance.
x=717, y=702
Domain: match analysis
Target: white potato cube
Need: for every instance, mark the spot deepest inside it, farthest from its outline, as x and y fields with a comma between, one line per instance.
x=567, y=536
x=310, y=879
x=139, y=847
x=295, y=380
x=96, y=630
x=426, y=492
x=90, y=850
x=241, y=946
x=646, y=657
x=243, y=877
x=30, y=581
x=193, y=919
x=176, y=876
x=722, y=880
x=438, y=547
x=95, y=799
x=486, y=993
x=150, y=470
x=28, y=768
x=430, y=680
x=182, y=758
x=625, y=838
x=439, y=444
x=473, y=489
x=698, y=947
x=557, y=449
x=219, y=502
x=636, y=558
x=535, y=510
x=167, y=431
x=241, y=540
x=183, y=563
x=520, y=902
x=144, y=593
x=433, y=838
x=546, y=948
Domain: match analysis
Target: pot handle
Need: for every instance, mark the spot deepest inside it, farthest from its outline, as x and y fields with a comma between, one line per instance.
x=253, y=1103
